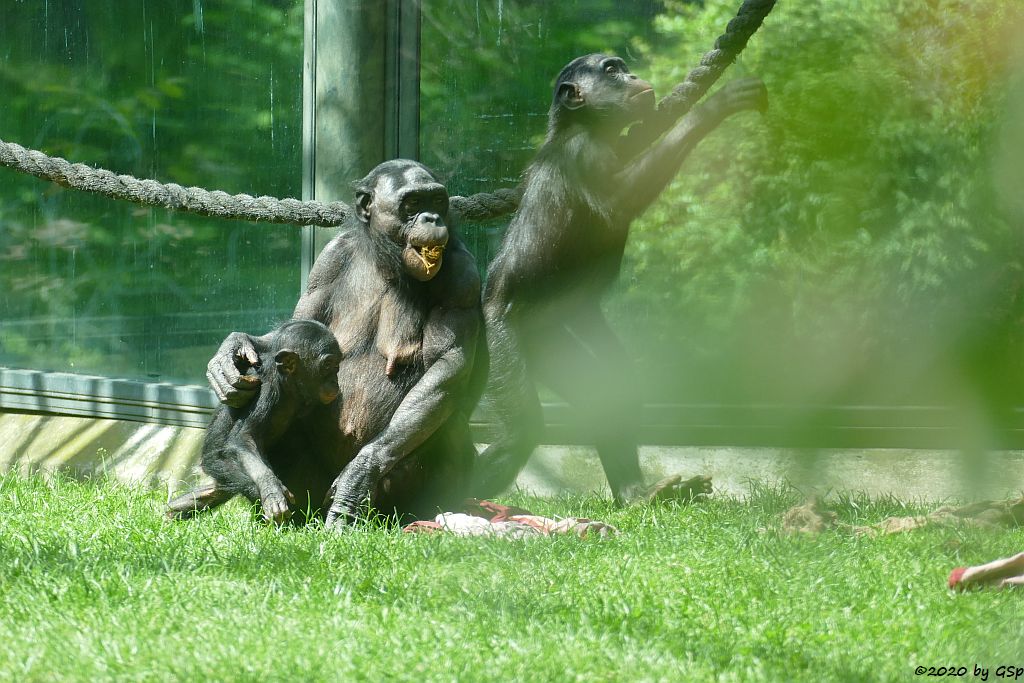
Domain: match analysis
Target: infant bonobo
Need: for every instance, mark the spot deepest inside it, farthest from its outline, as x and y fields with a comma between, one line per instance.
x=298, y=372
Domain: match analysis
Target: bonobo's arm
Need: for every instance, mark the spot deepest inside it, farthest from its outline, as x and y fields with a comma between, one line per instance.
x=643, y=179
x=240, y=351
x=449, y=344
x=273, y=496
x=314, y=304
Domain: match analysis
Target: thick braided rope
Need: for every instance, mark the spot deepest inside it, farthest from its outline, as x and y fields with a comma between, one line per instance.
x=487, y=205
x=481, y=206
x=216, y=203
x=170, y=195
x=727, y=47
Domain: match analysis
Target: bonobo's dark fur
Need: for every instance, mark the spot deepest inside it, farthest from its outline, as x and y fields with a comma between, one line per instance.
x=298, y=373
x=401, y=294
x=563, y=248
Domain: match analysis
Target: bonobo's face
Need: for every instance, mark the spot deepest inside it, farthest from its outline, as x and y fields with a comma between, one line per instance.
x=603, y=85
x=309, y=358
x=410, y=208
x=325, y=369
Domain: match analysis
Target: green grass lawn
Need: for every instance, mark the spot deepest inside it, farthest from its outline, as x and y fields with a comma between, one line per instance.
x=95, y=585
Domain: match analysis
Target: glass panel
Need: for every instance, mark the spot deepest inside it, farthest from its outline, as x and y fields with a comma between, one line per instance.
x=859, y=243
x=486, y=77
x=206, y=94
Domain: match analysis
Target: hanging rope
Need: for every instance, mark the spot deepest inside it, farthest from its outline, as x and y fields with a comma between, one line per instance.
x=214, y=202
x=727, y=47
x=483, y=206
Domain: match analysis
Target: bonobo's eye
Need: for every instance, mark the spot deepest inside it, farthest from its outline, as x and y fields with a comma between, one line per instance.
x=439, y=204
x=615, y=67
x=411, y=206
x=433, y=202
x=330, y=366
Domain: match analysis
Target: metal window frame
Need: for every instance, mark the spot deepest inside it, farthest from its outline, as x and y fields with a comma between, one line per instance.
x=785, y=426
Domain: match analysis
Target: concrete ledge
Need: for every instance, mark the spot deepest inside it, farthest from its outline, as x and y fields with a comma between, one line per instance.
x=907, y=474
x=129, y=451
x=159, y=455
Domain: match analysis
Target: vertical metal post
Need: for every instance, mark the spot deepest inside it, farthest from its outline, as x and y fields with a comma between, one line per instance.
x=308, y=135
x=361, y=92
x=402, y=129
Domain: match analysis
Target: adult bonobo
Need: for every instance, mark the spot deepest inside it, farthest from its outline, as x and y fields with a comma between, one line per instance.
x=563, y=248
x=401, y=294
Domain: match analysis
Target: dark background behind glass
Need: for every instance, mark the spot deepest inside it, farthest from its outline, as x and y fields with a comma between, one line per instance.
x=196, y=93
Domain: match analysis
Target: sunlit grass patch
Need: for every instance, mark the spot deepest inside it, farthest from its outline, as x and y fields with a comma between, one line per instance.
x=97, y=585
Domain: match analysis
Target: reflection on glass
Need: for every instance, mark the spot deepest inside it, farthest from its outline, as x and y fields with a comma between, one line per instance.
x=856, y=244
x=190, y=92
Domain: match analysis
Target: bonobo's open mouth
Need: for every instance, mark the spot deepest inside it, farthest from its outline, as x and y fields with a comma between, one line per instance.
x=422, y=261
x=431, y=257
x=643, y=99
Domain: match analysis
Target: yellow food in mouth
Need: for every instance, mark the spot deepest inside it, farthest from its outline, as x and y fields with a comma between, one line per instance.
x=430, y=256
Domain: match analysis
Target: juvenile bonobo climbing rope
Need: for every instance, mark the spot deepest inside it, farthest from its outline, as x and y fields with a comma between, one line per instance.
x=482, y=206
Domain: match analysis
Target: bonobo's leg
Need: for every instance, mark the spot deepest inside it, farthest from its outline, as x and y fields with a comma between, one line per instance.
x=584, y=362
x=432, y=479
x=447, y=485
x=191, y=503
x=240, y=469
x=306, y=459
x=511, y=399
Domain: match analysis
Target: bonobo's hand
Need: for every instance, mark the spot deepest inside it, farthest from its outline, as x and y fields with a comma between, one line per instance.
x=226, y=369
x=739, y=95
x=275, y=497
x=350, y=491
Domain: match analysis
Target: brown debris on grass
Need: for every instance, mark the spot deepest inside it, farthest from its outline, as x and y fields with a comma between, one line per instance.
x=813, y=518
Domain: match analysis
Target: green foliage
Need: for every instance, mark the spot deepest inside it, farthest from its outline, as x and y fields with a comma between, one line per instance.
x=195, y=93
x=852, y=235
x=97, y=586
x=850, y=245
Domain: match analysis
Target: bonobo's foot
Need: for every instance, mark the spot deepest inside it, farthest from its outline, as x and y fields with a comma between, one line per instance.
x=275, y=499
x=743, y=94
x=675, y=488
x=1003, y=573
x=191, y=503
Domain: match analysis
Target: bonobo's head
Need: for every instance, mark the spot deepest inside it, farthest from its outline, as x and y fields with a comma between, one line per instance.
x=599, y=90
x=406, y=211
x=307, y=357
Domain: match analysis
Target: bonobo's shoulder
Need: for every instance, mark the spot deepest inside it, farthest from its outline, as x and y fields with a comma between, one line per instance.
x=342, y=243
x=573, y=152
x=458, y=283
x=333, y=259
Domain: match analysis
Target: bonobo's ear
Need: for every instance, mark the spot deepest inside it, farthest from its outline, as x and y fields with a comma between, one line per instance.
x=570, y=96
x=287, y=361
x=364, y=200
